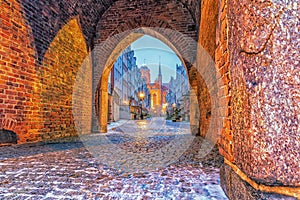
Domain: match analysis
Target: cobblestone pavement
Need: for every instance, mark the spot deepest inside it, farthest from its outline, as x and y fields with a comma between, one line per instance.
x=68, y=169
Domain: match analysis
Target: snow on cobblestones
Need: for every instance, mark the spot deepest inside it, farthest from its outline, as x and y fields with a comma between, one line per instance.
x=67, y=170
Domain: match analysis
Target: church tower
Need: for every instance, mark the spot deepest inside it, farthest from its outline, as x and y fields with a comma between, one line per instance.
x=159, y=78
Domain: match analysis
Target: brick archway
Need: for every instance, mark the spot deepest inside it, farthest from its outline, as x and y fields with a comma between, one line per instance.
x=101, y=84
x=254, y=46
x=178, y=32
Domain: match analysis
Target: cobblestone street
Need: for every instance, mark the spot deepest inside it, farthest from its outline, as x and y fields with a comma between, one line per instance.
x=71, y=168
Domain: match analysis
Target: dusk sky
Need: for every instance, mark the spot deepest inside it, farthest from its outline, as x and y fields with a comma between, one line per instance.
x=148, y=50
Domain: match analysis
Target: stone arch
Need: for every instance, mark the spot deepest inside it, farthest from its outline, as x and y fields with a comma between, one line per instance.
x=109, y=34
x=117, y=23
x=112, y=29
x=126, y=38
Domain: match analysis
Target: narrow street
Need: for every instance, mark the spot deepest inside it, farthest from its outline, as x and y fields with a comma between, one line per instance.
x=146, y=159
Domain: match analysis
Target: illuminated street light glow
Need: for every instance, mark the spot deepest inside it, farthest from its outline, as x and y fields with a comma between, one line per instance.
x=141, y=95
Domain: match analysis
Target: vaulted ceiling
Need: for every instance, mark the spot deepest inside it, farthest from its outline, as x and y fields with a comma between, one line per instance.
x=46, y=17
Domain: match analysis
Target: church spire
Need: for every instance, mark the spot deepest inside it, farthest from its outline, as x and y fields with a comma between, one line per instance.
x=159, y=72
x=159, y=78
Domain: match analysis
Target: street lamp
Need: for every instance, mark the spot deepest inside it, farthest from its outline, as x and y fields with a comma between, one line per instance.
x=141, y=96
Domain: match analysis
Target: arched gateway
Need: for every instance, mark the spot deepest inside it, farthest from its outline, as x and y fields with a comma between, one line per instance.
x=48, y=48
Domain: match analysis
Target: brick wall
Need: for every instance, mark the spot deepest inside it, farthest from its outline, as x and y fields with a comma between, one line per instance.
x=46, y=18
x=60, y=66
x=203, y=101
x=207, y=94
x=222, y=63
x=18, y=97
x=36, y=92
